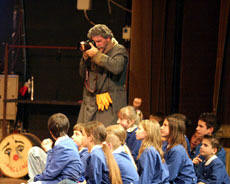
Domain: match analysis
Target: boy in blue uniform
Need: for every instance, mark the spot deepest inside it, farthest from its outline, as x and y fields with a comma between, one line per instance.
x=180, y=166
x=79, y=137
x=63, y=160
x=116, y=139
x=151, y=164
x=128, y=119
x=212, y=170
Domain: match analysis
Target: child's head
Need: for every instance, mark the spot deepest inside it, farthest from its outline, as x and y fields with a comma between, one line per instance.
x=79, y=135
x=195, y=140
x=95, y=132
x=116, y=135
x=206, y=124
x=173, y=131
x=58, y=125
x=158, y=116
x=127, y=117
x=210, y=146
x=149, y=132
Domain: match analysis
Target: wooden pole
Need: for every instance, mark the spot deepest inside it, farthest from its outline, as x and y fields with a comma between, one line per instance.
x=4, y=122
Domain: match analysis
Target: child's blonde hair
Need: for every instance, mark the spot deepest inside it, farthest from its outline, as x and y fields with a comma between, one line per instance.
x=129, y=113
x=153, y=138
x=118, y=131
x=79, y=127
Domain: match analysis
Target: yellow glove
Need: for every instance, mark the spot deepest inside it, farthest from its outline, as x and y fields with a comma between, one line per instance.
x=103, y=101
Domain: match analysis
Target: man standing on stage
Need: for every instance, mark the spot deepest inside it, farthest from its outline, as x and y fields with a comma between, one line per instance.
x=103, y=67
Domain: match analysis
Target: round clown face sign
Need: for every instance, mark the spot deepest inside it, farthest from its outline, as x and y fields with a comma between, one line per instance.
x=13, y=153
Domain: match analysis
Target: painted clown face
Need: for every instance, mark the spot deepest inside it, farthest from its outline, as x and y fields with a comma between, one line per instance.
x=14, y=150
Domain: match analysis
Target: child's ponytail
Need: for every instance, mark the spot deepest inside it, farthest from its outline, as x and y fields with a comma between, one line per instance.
x=114, y=171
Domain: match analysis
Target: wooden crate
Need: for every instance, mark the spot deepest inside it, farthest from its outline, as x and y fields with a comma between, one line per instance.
x=12, y=93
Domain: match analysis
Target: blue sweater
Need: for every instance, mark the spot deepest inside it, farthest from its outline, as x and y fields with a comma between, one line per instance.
x=84, y=155
x=221, y=154
x=63, y=162
x=97, y=171
x=151, y=169
x=128, y=171
x=213, y=172
x=180, y=166
x=132, y=143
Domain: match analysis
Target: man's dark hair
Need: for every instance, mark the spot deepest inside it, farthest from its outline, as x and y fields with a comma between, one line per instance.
x=58, y=124
x=100, y=30
x=210, y=119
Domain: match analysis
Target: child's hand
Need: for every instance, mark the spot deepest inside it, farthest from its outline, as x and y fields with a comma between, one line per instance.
x=47, y=144
x=197, y=160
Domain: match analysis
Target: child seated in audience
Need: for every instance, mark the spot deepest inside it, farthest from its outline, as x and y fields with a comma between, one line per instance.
x=101, y=167
x=180, y=166
x=128, y=119
x=116, y=140
x=212, y=168
x=79, y=137
x=194, y=142
x=158, y=116
x=63, y=160
x=136, y=104
x=151, y=164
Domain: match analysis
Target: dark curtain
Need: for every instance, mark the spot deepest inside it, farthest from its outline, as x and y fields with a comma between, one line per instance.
x=173, y=57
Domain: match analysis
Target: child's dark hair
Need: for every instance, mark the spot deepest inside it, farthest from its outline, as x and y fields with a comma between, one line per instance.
x=214, y=141
x=58, y=124
x=97, y=130
x=210, y=119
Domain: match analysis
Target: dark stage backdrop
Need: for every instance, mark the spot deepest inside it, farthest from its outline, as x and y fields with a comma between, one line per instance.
x=177, y=48
x=55, y=71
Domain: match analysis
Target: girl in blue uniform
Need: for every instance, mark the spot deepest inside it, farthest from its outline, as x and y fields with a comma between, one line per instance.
x=116, y=139
x=102, y=167
x=151, y=164
x=128, y=119
x=212, y=169
x=180, y=166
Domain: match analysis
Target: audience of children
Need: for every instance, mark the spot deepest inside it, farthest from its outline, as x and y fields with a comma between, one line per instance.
x=180, y=166
x=116, y=136
x=212, y=168
x=151, y=163
x=128, y=119
x=63, y=160
x=96, y=154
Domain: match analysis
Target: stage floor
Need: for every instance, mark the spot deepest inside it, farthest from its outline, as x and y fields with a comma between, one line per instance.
x=5, y=180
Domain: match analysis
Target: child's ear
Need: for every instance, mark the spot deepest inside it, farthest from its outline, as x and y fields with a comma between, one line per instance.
x=215, y=150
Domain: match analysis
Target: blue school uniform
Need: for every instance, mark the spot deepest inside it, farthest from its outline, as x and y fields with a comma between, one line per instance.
x=221, y=154
x=84, y=156
x=213, y=172
x=63, y=162
x=97, y=171
x=128, y=171
x=188, y=145
x=180, y=166
x=151, y=169
x=131, y=141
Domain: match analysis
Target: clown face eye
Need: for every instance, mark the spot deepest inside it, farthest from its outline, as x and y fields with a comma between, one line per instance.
x=7, y=151
x=20, y=148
